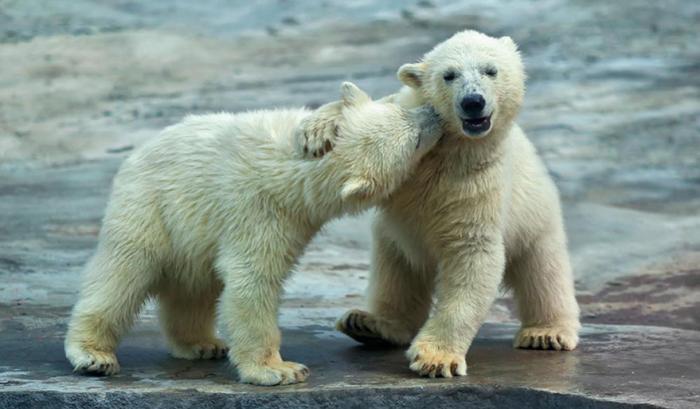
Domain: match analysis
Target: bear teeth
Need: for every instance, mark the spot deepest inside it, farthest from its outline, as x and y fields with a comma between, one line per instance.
x=477, y=121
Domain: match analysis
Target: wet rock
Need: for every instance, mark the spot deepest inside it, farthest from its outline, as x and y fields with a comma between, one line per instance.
x=121, y=149
x=290, y=21
x=612, y=106
x=345, y=374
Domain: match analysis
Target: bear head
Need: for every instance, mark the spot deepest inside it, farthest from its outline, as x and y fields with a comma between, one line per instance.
x=475, y=82
x=379, y=143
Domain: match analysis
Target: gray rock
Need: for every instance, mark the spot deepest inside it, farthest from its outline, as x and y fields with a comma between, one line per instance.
x=616, y=366
x=613, y=104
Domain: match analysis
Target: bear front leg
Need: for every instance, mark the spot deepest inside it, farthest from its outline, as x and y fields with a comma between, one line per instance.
x=316, y=134
x=466, y=286
x=248, y=307
x=543, y=286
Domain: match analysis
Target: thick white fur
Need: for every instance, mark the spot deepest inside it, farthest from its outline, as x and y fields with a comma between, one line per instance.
x=220, y=207
x=480, y=211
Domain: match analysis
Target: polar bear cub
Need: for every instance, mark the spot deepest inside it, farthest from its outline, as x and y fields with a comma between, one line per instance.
x=480, y=210
x=218, y=208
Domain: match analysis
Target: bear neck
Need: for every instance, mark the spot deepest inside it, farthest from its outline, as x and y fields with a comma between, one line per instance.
x=321, y=183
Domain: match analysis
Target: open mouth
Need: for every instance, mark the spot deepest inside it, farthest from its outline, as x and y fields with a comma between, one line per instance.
x=476, y=126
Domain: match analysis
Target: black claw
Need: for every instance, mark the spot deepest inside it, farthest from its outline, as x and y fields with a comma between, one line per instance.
x=355, y=327
x=351, y=322
x=357, y=321
x=359, y=326
x=364, y=327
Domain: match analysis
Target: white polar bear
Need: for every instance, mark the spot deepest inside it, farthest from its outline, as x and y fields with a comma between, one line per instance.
x=480, y=210
x=223, y=205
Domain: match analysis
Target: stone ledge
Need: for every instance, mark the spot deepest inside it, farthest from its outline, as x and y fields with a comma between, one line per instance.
x=463, y=397
x=615, y=367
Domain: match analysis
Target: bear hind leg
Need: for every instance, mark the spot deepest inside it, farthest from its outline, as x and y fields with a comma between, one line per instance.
x=111, y=296
x=189, y=323
x=399, y=300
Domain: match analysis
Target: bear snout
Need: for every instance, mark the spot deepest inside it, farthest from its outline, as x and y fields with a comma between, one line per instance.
x=473, y=105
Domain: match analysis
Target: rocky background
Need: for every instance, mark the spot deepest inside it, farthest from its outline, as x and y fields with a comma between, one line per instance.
x=613, y=106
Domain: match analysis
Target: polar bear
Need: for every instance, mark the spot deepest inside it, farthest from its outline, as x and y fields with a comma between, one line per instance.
x=480, y=210
x=221, y=206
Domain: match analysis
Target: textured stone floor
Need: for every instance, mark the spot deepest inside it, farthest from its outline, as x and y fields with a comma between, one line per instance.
x=613, y=106
x=616, y=366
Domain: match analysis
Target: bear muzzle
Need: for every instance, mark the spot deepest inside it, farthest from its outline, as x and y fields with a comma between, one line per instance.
x=476, y=127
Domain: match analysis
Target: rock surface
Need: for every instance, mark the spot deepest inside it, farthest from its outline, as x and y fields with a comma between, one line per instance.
x=616, y=366
x=613, y=106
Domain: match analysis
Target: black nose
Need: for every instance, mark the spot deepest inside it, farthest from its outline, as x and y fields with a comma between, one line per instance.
x=473, y=104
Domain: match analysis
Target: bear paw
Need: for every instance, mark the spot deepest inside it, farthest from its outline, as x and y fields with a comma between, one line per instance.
x=318, y=131
x=554, y=337
x=362, y=327
x=93, y=362
x=212, y=349
x=428, y=360
x=277, y=373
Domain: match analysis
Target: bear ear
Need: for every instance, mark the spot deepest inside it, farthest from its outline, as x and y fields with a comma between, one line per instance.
x=509, y=43
x=357, y=188
x=352, y=95
x=412, y=74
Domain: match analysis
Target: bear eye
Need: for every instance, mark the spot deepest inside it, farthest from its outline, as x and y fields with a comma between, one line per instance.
x=491, y=71
x=449, y=76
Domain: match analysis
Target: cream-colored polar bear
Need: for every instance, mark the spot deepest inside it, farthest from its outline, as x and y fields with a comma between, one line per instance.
x=223, y=205
x=480, y=210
